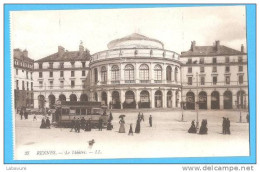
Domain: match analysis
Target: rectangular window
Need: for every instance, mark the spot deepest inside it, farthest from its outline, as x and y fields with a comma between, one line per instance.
x=227, y=69
x=61, y=84
x=189, y=61
x=215, y=80
x=23, y=85
x=214, y=69
x=240, y=59
x=27, y=75
x=72, y=73
x=31, y=85
x=61, y=65
x=227, y=59
x=40, y=74
x=50, y=65
x=189, y=69
x=241, y=79
x=240, y=68
x=31, y=75
x=61, y=74
x=201, y=60
x=17, y=84
x=16, y=71
x=40, y=84
x=72, y=84
x=83, y=83
x=96, y=75
x=83, y=73
x=189, y=80
x=202, y=80
x=104, y=76
x=40, y=65
x=227, y=79
x=214, y=60
x=27, y=86
x=83, y=64
x=51, y=74
x=51, y=84
x=202, y=69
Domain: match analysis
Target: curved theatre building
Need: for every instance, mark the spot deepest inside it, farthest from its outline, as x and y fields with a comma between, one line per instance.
x=135, y=72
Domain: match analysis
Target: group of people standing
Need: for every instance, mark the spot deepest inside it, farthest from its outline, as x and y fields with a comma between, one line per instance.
x=23, y=113
x=45, y=123
x=226, y=126
x=77, y=124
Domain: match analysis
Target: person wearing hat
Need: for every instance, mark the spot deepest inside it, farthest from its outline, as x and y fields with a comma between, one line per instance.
x=122, y=125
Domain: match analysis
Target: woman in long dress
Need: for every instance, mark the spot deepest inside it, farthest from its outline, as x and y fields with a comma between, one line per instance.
x=122, y=126
x=43, y=124
x=138, y=126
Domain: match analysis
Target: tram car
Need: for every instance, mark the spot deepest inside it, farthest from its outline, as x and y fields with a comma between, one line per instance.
x=67, y=110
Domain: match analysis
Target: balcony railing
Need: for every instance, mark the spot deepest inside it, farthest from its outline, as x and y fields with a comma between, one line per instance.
x=129, y=81
x=222, y=83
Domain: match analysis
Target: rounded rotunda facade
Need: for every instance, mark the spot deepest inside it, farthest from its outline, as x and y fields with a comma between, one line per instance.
x=135, y=72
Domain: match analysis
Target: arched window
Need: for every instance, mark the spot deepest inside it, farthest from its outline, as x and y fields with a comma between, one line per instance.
x=157, y=73
x=115, y=73
x=129, y=73
x=144, y=72
x=103, y=74
x=169, y=73
x=176, y=74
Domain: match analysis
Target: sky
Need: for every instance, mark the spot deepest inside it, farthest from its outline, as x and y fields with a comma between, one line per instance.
x=41, y=32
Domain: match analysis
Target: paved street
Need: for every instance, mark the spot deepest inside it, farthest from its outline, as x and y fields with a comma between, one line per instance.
x=167, y=138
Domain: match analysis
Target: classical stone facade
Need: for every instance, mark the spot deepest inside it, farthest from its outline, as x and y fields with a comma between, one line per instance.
x=61, y=76
x=136, y=72
x=23, y=80
x=214, y=77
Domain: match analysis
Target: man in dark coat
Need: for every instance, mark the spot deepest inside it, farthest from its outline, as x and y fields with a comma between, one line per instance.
x=43, y=124
x=25, y=115
x=73, y=124
x=21, y=114
x=224, y=126
x=138, y=126
x=109, y=126
x=48, y=123
x=77, y=125
x=151, y=121
x=228, y=126
x=82, y=123
x=100, y=124
x=88, y=125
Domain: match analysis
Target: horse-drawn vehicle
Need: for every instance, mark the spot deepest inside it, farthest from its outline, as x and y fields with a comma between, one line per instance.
x=66, y=111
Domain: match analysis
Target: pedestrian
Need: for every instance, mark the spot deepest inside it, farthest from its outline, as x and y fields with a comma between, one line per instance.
x=131, y=130
x=109, y=126
x=203, y=127
x=247, y=118
x=192, y=128
x=151, y=121
x=88, y=125
x=138, y=126
x=21, y=113
x=228, y=126
x=73, y=124
x=48, y=123
x=77, y=124
x=110, y=117
x=43, y=123
x=139, y=115
x=34, y=118
x=122, y=125
x=25, y=114
x=100, y=124
x=224, y=126
x=142, y=117
x=82, y=123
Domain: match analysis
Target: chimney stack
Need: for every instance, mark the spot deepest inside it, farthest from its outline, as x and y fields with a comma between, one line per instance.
x=81, y=47
x=193, y=44
x=242, y=48
x=217, y=45
x=25, y=53
x=61, y=50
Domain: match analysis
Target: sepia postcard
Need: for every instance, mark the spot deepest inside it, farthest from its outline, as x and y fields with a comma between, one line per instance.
x=164, y=82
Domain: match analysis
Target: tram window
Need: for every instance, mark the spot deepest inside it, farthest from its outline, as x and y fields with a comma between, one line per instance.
x=65, y=111
x=78, y=111
x=72, y=111
x=88, y=111
x=83, y=111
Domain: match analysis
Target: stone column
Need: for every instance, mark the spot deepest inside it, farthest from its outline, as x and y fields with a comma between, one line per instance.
x=208, y=101
x=121, y=74
x=164, y=74
x=108, y=74
x=109, y=98
x=122, y=97
x=35, y=100
x=164, y=98
x=221, y=101
x=137, y=98
x=151, y=73
x=174, y=98
x=136, y=66
x=152, y=98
